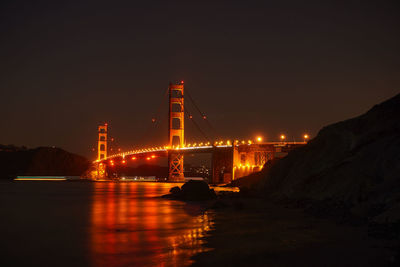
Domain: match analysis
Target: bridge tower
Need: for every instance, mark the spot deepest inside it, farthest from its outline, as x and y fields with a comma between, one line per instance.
x=102, y=142
x=176, y=131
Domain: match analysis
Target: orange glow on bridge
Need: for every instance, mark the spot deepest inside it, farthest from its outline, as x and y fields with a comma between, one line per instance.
x=148, y=153
x=243, y=155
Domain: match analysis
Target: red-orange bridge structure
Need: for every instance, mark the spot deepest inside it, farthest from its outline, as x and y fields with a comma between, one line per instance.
x=230, y=159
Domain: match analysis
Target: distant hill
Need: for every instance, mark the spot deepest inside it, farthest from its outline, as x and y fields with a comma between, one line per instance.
x=39, y=161
x=353, y=163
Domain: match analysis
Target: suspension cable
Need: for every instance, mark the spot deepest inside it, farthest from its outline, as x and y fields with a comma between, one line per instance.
x=203, y=116
x=154, y=120
x=190, y=117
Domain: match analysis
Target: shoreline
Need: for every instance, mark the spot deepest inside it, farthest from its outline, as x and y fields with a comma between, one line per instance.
x=253, y=232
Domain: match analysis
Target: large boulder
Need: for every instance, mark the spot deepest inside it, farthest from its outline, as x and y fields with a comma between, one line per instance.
x=192, y=191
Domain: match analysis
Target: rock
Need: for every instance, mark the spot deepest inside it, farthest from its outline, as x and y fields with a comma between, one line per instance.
x=355, y=162
x=175, y=190
x=252, y=181
x=192, y=191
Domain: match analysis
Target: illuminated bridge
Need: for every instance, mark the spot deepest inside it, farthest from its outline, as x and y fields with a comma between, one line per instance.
x=230, y=159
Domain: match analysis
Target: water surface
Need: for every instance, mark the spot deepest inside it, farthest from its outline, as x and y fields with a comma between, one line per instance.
x=97, y=224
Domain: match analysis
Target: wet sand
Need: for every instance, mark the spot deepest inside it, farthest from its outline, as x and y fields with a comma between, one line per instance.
x=252, y=232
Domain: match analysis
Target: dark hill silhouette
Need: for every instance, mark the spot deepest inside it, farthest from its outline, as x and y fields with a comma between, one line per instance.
x=39, y=161
x=353, y=164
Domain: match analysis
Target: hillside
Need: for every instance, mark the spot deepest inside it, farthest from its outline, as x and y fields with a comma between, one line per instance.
x=353, y=164
x=39, y=161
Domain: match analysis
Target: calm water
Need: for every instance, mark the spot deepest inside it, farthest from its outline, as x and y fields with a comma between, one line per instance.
x=97, y=224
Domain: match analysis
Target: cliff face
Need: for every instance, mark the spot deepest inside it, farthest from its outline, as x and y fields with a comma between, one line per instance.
x=356, y=162
x=40, y=161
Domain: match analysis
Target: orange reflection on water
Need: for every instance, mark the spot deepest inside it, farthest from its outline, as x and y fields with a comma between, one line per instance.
x=131, y=226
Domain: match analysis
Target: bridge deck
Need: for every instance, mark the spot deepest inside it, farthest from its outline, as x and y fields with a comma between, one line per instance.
x=163, y=151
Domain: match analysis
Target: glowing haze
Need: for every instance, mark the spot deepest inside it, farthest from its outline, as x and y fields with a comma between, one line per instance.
x=256, y=69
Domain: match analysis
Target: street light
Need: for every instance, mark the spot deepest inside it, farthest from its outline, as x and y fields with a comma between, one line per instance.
x=283, y=137
x=259, y=139
x=306, y=137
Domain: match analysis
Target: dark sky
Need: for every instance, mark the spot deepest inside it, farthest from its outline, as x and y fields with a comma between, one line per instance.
x=262, y=67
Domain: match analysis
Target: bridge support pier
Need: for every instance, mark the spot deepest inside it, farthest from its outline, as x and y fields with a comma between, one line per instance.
x=101, y=172
x=176, y=131
x=102, y=142
x=231, y=163
x=222, y=165
x=175, y=172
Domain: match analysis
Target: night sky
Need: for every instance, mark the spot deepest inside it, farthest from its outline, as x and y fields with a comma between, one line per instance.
x=264, y=67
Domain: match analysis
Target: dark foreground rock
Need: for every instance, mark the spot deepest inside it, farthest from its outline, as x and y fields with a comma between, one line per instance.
x=252, y=181
x=347, y=179
x=192, y=191
x=352, y=165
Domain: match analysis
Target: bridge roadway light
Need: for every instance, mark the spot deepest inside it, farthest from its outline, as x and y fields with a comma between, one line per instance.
x=306, y=137
x=259, y=139
x=283, y=137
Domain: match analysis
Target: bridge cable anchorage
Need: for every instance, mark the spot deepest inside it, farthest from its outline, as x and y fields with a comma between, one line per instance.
x=190, y=117
x=203, y=115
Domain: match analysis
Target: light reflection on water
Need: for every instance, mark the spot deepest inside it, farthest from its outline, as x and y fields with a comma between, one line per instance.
x=129, y=226
x=97, y=224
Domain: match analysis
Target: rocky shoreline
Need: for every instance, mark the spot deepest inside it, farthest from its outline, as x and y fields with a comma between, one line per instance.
x=251, y=231
x=333, y=202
